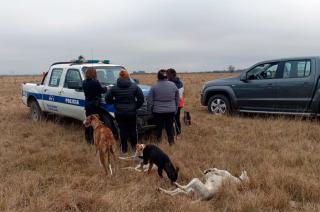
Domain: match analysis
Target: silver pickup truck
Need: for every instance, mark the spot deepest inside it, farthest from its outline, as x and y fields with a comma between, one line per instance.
x=60, y=92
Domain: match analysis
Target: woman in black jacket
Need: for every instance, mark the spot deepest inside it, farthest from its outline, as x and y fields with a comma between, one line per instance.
x=127, y=98
x=92, y=91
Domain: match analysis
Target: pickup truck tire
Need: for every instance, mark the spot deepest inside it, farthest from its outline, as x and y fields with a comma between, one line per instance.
x=219, y=104
x=35, y=112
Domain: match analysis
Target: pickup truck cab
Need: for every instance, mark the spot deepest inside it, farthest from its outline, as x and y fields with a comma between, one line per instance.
x=283, y=86
x=61, y=92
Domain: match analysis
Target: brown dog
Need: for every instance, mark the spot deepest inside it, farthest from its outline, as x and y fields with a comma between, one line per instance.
x=103, y=140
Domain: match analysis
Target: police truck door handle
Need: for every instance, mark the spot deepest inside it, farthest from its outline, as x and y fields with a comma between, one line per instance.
x=45, y=90
x=60, y=92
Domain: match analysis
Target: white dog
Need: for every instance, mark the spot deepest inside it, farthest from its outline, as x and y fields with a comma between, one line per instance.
x=213, y=182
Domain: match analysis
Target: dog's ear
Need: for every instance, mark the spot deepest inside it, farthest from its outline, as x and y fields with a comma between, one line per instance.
x=87, y=121
x=96, y=116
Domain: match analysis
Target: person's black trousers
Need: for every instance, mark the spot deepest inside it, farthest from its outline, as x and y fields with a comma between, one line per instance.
x=91, y=108
x=128, y=130
x=177, y=122
x=165, y=120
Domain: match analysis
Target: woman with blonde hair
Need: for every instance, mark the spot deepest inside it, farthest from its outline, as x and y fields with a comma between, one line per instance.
x=92, y=91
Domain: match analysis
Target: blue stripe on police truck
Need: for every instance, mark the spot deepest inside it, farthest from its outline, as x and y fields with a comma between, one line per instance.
x=63, y=100
x=67, y=100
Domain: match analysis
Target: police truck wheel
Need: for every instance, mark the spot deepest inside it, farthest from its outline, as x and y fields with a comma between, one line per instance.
x=35, y=112
x=219, y=104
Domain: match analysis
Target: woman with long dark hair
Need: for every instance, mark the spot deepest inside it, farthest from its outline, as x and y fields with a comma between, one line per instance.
x=92, y=90
x=172, y=76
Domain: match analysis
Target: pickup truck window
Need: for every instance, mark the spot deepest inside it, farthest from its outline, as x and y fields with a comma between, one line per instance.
x=73, y=75
x=55, y=77
x=297, y=69
x=108, y=75
x=263, y=71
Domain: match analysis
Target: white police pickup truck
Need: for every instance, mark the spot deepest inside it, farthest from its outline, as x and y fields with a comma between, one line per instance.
x=60, y=92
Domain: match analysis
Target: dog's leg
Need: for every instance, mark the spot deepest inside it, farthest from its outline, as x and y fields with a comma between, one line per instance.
x=102, y=160
x=141, y=166
x=109, y=161
x=133, y=168
x=128, y=158
x=98, y=158
x=110, y=169
x=150, y=167
x=197, y=186
x=113, y=156
x=160, y=172
x=173, y=192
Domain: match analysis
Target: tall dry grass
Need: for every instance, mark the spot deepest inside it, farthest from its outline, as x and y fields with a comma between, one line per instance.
x=48, y=166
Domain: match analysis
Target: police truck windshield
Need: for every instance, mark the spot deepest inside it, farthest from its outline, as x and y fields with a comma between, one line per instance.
x=108, y=75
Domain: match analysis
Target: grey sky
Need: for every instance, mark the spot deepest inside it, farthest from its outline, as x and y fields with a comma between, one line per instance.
x=197, y=35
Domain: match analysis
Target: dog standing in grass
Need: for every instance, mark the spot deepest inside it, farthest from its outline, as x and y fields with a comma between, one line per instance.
x=103, y=140
x=154, y=155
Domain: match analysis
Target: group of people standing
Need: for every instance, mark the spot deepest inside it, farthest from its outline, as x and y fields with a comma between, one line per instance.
x=165, y=101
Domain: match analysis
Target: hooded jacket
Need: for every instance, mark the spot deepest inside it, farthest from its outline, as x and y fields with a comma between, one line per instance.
x=126, y=96
x=163, y=97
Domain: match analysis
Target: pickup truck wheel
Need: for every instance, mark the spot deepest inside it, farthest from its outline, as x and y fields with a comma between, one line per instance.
x=35, y=112
x=219, y=104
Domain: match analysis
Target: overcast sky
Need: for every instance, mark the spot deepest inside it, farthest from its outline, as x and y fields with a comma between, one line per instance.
x=189, y=35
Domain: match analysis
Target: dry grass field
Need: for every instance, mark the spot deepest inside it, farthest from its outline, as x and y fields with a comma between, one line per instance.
x=48, y=166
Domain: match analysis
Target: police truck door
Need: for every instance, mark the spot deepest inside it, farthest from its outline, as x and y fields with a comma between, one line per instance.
x=51, y=91
x=73, y=94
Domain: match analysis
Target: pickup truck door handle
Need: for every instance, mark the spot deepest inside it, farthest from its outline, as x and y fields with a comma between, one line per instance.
x=45, y=90
x=60, y=92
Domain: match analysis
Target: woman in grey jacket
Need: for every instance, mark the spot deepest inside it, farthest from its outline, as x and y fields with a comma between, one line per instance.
x=163, y=101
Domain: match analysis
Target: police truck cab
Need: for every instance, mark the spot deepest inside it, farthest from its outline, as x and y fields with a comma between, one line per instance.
x=60, y=92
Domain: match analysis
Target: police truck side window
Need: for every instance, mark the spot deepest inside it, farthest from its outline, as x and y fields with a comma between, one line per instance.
x=73, y=75
x=55, y=77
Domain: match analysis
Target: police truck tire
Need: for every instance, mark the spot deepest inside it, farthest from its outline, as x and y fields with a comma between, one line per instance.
x=35, y=112
x=219, y=104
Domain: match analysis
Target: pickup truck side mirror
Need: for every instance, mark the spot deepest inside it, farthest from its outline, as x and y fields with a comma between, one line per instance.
x=75, y=85
x=136, y=81
x=243, y=76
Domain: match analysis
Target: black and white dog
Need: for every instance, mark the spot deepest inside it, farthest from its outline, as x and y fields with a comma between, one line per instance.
x=154, y=155
x=150, y=155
